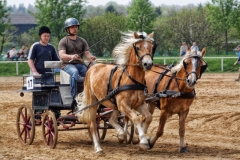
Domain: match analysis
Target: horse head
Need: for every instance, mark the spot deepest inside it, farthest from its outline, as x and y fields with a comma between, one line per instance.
x=193, y=66
x=144, y=49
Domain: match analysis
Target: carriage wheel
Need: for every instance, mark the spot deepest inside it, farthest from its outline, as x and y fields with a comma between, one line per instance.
x=130, y=129
x=49, y=129
x=25, y=124
x=101, y=128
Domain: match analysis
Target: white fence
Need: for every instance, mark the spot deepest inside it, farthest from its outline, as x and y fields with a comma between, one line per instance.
x=164, y=60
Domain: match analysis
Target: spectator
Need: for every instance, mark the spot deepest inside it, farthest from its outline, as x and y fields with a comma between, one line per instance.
x=13, y=54
x=195, y=47
x=236, y=62
x=22, y=53
x=183, y=49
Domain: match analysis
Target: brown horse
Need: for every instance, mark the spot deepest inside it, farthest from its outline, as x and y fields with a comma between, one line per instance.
x=120, y=87
x=174, y=89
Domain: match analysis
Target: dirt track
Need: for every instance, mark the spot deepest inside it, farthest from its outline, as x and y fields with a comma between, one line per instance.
x=212, y=128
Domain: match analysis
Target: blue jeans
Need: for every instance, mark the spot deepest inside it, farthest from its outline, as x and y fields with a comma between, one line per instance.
x=14, y=57
x=75, y=70
x=183, y=53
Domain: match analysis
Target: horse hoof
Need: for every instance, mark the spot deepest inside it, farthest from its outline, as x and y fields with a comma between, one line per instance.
x=184, y=150
x=135, y=141
x=121, y=138
x=100, y=152
x=149, y=143
x=144, y=146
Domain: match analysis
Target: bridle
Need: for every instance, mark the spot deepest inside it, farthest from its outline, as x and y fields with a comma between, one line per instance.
x=147, y=54
x=196, y=58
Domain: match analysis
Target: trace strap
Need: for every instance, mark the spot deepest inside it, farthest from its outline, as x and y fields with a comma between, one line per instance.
x=114, y=92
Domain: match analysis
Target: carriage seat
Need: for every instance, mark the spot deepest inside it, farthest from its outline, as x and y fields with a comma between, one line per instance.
x=52, y=64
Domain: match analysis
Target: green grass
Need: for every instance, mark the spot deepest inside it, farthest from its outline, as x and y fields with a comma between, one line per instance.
x=9, y=69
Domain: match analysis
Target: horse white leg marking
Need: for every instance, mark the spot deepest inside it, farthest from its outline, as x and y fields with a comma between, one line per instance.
x=93, y=129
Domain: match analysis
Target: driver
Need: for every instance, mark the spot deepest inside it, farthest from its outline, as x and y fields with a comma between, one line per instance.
x=71, y=50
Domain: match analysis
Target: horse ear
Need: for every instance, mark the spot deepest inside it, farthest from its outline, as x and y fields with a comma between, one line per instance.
x=136, y=35
x=189, y=47
x=151, y=35
x=203, y=51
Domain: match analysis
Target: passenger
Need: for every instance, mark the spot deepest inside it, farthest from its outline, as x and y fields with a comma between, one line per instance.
x=71, y=49
x=39, y=52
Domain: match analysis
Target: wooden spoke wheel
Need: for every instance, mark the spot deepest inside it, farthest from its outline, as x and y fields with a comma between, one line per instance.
x=129, y=128
x=25, y=125
x=49, y=129
x=101, y=128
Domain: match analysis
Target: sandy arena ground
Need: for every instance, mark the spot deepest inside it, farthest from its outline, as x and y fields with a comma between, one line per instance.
x=212, y=128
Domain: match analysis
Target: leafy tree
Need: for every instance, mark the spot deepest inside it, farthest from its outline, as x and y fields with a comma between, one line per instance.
x=4, y=23
x=223, y=14
x=102, y=32
x=22, y=9
x=158, y=10
x=26, y=39
x=111, y=9
x=54, y=13
x=141, y=16
x=187, y=25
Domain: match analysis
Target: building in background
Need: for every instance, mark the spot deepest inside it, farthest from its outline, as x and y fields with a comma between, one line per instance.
x=23, y=22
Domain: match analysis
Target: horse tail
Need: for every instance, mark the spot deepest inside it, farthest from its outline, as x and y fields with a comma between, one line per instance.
x=82, y=116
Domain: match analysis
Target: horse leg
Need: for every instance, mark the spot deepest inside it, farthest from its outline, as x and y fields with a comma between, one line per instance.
x=137, y=122
x=89, y=99
x=145, y=124
x=114, y=122
x=93, y=129
x=162, y=121
x=182, y=119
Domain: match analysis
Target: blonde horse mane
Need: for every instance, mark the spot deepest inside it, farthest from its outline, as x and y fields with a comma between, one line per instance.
x=123, y=49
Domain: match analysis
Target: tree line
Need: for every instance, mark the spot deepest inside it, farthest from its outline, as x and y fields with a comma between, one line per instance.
x=214, y=25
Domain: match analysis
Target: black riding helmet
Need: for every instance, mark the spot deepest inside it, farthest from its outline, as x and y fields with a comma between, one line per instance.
x=43, y=29
x=71, y=22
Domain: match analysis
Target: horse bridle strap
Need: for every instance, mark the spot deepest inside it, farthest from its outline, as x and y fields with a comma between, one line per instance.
x=203, y=68
x=136, y=52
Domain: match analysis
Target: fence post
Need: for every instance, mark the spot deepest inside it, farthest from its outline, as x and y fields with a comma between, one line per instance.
x=17, y=67
x=222, y=64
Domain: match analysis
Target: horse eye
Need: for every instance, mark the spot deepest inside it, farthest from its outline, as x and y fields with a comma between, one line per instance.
x=138, y=48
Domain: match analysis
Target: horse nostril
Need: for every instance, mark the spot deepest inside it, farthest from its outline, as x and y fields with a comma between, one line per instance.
x=145, y=64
